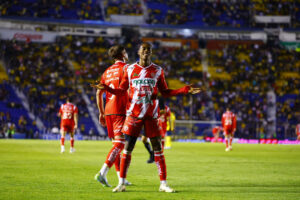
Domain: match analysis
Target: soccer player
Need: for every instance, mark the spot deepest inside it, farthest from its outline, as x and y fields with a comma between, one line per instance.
x=144, y=79
x=148, y=147
x=216, y=132
x=114, y=114
x=298, y=131
x=164, y=118
x=229, y=127
x=68, y=113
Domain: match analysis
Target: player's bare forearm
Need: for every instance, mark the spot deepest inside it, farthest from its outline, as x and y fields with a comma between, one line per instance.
x=116, y=91
x=100, y=103
x=188, y=89
x=76, y=120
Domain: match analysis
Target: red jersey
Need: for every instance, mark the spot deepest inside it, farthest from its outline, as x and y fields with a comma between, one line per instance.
x=164, y=118
x=67, y=112
x=228, y=121
x=298, y=129
x=144, y=84
x=115, y=105
x=216, y=129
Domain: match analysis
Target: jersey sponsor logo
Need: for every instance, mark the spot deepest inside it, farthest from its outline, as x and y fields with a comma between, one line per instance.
x=144, y=82
x=135, y=75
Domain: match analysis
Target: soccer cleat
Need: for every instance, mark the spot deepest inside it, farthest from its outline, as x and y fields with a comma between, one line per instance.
x=72, y=150
x=230, y=148
x=127, y=182
x=151, y=159
x=62, y=150
x=101, y=179
x=165, y=188
x=227, y=149
x=119, y=188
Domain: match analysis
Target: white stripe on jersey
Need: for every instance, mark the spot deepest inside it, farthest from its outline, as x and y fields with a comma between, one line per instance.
x=142, y=75
x=155, y=112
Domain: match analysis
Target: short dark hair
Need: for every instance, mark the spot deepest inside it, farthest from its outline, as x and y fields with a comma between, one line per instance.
x=116, y=52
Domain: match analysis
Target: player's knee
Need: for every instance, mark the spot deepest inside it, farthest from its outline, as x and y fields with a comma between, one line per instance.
x=156, y=143
x=130, y=142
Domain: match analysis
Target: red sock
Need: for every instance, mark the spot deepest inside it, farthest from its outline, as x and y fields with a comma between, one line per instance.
x=161, y=165
x=226, y=141
x=62, y=141
x=230, y=141
x=125, y=162
x=118, y=162
x=162, y=144
x=114, y=152
x=72, y=142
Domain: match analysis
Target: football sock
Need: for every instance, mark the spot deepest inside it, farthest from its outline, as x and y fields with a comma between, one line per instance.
x=62, y=141
x=114, y=152
x=226, y=141
x=125, y=162
x=148, y=147
x=161, y=164
x=72, y=142
x=104, y=170
x=230, y=141
x=118, y=162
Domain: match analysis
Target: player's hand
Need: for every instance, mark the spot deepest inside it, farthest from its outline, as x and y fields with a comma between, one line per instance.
x=102, y=120
x=97, y=85
x=194, y=90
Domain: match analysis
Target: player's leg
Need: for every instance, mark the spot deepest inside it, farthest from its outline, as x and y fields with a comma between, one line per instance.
x=153, y=132
x=72, y=133
x=298, y=138
x=226, y=141
x=230, y=141
x=125, y=162
x=114, y=126
x=62, y=139
x=148, y=147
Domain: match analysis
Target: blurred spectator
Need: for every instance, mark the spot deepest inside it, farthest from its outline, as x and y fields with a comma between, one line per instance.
x=11, y=129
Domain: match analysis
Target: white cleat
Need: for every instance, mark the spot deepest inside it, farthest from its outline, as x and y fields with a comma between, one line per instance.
x=165, y=188
x=230, y=148
x=227, y=149
x=72, y=150
x=119, y=188
x=101, y=179
x=62, y=150
x=127, y=183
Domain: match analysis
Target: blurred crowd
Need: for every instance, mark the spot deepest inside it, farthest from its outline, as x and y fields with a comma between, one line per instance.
x=58, y=68
x=57, y=9
x=123, y=7
x=229, y=13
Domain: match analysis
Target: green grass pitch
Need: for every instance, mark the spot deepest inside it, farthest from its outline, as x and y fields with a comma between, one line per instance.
x=35, y=170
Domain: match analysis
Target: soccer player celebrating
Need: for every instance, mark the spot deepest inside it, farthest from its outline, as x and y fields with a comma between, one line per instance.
x=114, y=114
x=298, y=131
x=229, y=127
x=144, y=79
x=68, y=113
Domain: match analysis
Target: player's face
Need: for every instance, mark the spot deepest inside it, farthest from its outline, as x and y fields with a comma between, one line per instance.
x=145, y=51
x=125, y=55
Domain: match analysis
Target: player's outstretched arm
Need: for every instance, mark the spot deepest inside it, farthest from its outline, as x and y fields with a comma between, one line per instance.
x=116, y=91
x=188, y=89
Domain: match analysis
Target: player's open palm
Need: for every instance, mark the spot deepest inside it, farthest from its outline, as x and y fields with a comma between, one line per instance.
x=194, y=90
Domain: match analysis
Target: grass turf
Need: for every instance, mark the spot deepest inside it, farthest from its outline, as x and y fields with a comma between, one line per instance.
x=35, y=169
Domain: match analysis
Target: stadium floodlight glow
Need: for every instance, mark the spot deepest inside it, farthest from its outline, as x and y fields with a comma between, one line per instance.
x=186, y=32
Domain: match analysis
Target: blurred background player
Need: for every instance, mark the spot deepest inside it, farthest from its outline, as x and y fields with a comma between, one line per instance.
x=298, y=131
x=68, y=113
x=216, y=132
x=144, y=79
x=114, y=114
x=164, y=118
x=229, y=127
x=170, y=129
x=147, y=145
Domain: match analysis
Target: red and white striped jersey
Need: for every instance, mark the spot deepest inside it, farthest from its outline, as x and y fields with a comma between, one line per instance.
x=67, y=112
x=144, y=84
x=228, y=120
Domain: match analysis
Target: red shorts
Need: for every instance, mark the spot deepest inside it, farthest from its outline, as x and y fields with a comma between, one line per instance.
x=228, y=132
x=133, y=126
x=114, y=125
x=298, y=133
x=68, y=128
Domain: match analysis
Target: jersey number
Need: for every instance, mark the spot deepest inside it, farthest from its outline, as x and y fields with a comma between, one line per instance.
x=67, y=115
x=228, y=122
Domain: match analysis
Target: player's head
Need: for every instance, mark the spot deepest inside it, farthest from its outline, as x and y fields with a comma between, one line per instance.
x=118, y=52
x=68, y=99
x=227, y=108
x=145, y=51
